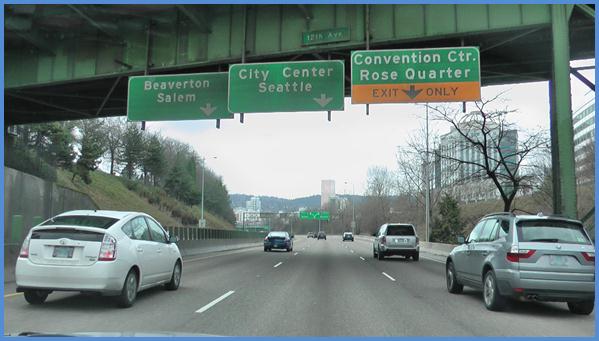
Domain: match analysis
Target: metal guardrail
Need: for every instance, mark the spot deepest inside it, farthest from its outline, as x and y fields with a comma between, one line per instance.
x=196, y=233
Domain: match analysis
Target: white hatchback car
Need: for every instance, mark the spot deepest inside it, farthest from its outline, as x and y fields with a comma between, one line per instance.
x=109, y=252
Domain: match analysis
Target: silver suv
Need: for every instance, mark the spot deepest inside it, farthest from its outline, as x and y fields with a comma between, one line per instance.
x=544, y=258
x=396, y=239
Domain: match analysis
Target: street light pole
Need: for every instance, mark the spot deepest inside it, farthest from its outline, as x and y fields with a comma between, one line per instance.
x=202, y=222
x=427, y=183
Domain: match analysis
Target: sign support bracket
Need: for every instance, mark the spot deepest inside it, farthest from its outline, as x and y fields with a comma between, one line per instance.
x=245, y=27
x=148, y=53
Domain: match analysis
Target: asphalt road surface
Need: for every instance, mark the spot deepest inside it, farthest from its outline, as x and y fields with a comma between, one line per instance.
x=322, y=288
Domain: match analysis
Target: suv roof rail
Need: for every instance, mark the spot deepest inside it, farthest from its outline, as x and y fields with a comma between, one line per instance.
x=511, y=214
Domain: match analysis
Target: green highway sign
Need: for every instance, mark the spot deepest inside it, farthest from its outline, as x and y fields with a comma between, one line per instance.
x=326, y=36
x=197, y=96
x=449, y=74
x=283, y=87
x=314, y=215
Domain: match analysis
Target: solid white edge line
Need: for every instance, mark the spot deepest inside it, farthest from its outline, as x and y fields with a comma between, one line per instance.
x=391, y=278
x=362, y=258
x=279, y=263
x=211, y=304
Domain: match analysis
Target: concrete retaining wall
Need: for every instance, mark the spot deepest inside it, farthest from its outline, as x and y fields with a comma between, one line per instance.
x=29, y=200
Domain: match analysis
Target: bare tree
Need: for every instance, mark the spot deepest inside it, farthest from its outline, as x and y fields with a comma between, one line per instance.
x=113, y=134
x=375, y=210
x=499, y=152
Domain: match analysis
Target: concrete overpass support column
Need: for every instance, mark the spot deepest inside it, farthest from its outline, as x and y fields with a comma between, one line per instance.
x=562, y=132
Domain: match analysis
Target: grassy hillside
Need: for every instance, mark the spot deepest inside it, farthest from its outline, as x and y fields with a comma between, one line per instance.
x=111, y=193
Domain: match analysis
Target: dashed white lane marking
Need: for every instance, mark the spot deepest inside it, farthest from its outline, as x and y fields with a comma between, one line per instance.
x=362, y=258
x=211, y=304
x=13, y=294
x=352, y=251
x=276, y=265
x=295, y=254
x=391, y=278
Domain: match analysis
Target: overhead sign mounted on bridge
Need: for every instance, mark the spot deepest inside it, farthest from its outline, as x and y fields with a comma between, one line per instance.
x=197, y=96
x=287, y=86
x=333, y=35
x=420, y=75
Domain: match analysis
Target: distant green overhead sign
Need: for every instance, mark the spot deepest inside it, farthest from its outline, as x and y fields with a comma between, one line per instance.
x=198, y=96
x=292, y=86
x=326, y=36
x=314, y=215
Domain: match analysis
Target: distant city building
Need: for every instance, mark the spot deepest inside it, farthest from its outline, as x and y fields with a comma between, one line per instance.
x=327, y=190
x=463, y=179
x=583, y=120
x=253, y=205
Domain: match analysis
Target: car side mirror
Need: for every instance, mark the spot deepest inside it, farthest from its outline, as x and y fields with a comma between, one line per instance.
x=173, y=239
x=292, y=236
x=461, y=240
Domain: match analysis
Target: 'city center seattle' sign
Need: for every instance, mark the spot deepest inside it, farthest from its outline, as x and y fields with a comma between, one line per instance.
x=287, y=86
x=422, y=75
x=178, y=97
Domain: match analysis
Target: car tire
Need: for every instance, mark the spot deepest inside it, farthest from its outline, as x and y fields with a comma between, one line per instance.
x=491, y=297
x=35, y=297
x=416, y=256
x=581, y=308
x=380, y=255
x=373, y=253
x=265, y=249
x=453, y=286
x=175, y=277
x=129, y=291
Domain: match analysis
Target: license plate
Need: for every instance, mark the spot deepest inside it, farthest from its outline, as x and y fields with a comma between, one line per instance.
x=401, y=240
x=557, y=260
x=63, y=252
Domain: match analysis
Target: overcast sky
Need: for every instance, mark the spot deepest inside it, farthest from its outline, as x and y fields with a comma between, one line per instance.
x=288, y=154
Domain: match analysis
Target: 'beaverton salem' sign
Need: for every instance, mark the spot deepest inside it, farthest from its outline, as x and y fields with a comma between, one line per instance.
x=178, y=97
x=422, y=75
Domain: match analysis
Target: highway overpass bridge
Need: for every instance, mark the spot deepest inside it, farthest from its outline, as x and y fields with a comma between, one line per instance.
x=66, y=62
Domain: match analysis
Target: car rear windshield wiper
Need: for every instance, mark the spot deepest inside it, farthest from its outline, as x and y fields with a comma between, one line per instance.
x=545, y=240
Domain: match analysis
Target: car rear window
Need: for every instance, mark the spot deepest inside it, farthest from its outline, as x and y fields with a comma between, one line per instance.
x=67, y=233
x=548, y=231
x=82, y=220
x=400, y=230
x=278, y=234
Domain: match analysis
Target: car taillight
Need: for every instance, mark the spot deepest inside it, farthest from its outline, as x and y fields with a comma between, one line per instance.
x=383, y=240
x=589, y=256
x=515, y=255
x=265, y=239
x=417, y=240
x=107, y=249
x=24, y=253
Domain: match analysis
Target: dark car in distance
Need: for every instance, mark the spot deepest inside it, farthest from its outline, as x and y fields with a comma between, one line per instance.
x=321, y=235
x=278, y=240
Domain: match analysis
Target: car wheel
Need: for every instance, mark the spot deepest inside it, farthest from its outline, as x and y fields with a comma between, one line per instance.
x=452, y=282
x=373, y=253
x=581, y=308
x=265, y=250
x=380, y=255
x=175, y=278
x=493, y=300
x=416, y=256
x=35, y=296
x=129, y=291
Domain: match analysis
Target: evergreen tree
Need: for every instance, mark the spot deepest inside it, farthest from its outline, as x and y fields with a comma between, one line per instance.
x=132, y=152
x=448, y=225
x=91, y=149
x=154, y=161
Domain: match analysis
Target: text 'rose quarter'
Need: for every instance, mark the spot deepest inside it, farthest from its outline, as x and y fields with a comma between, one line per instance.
x=197, y=96
x=281, y=87
x=419, y=75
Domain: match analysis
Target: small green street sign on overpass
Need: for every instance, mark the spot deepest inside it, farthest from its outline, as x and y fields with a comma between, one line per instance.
x=287, y=86
x=314, y=215
x=449, y=74
x=197, y=96
x=326, y=36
